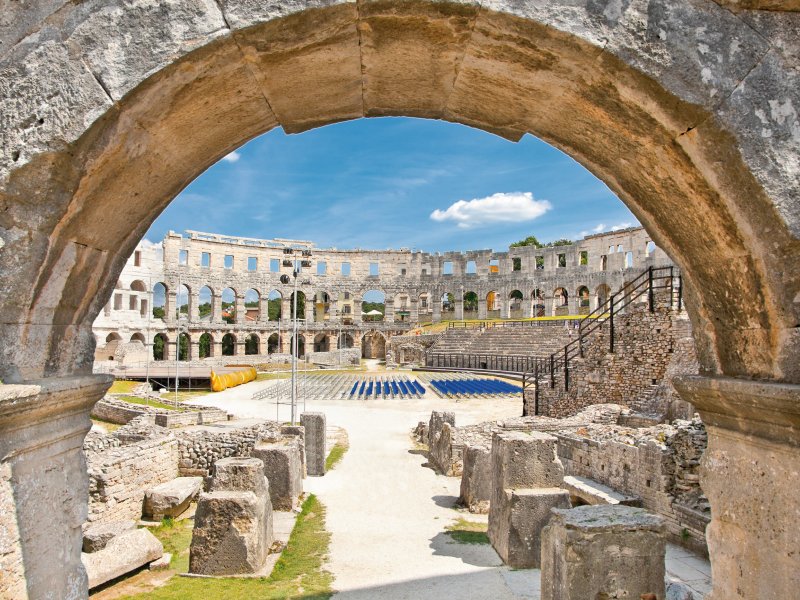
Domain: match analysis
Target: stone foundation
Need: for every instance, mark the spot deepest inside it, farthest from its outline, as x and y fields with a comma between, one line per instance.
x=314, y=442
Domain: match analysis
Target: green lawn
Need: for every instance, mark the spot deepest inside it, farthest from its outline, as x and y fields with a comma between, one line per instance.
x=335, y=455
x=468, y=532
x=298, y=574
x=121, y=386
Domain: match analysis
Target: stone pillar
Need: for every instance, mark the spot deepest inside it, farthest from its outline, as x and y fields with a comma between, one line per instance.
x=216, y=346
x=437, y=310
x=314, y=424
x=526, y=474
x=476, y=479
x=286, y=310
x=263, y=308
x=310, y=308
x=414, y=309
x=286, y=342
x=216, y=308
x=44, y=485
x=459, y=312
x=388, y=315
x=283, y=470
x=356, y=309
x=482, y=308
x=606, y=551
x=750, y=473
x=170, y=304
x=169, y=349
x=505, y=307
x=241, y=311
x=194, y=308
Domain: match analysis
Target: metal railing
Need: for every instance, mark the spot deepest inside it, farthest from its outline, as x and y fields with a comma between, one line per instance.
x=512, y=323
x=646, y=284
x=484, y=362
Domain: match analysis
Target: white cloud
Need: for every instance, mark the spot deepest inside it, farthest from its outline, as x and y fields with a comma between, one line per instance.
x=602, y=228
x=498, y=208
x=232, y=157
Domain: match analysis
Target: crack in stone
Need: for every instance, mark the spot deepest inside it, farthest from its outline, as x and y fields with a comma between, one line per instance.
x=361, y=59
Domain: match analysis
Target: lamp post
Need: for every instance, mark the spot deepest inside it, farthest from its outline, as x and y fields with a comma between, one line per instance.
x=296, y=270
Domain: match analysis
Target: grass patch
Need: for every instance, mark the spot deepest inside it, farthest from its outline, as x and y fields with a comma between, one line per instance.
x=109, y=427
x=335, y=455
x=468, y=532
x=122, y=386
x=147, y=402
x=176, y=537
x=297, y=574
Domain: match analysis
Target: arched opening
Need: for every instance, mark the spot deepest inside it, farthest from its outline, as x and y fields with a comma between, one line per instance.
x=273, y=344
x=184, y=347
x=205, y=346
x=560, y=302
x=698, y=172
x=515, y=301
x=373, y=305
x=583, y=300
x=138, y=286
x=205, y=307
x=448, y=306
x=345, y=341
x=373, y=345
x=602, y=294
x=300, y=349
x=138, y=337
x=300, y=307
x=274, y=301
x=160, y=301
x=493, y=305
x=228, y=306
x=252, y=306
x=112, y=341
x=322, y=307
x=228, y=344
x=537, y=303
x=321, y=343
x=251, y=344
x=470, y=305
x=160, y=346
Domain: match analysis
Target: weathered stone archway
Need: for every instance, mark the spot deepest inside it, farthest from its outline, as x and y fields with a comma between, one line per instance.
x=110, y=109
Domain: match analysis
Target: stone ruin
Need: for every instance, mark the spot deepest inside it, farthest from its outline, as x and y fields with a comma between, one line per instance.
x=603, y=462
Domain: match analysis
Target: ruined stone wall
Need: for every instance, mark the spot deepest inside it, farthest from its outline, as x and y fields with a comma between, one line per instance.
x=644, y=347
x=120, y=475
x=660, y=465
x=199, y=450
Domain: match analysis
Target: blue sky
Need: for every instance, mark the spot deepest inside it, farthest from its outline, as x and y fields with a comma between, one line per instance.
x=392, y=183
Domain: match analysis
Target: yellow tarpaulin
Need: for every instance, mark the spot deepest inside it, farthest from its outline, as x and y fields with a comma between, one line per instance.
x=228, y=380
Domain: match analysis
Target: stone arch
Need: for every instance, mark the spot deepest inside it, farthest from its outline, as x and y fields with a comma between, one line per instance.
x=424, y=307
x=301, y=305
x=373, y=300
x=227, y=302
x=138, y=337
x=300, y=351
x=537, y=303
x=448, y=305
x=373, y=345
x=560, y=302
x=205, y=303
x=583, y=297
x=273, y=344
x=516, y=300
x=274, y=305
x=205, y=346
x=601, y=294
x=322, y=306
x=229, y=345
x=184, y=346
x=493, y=304
x=252, y=305
x=410, y=354
x=471, y=303
x=184, y=301
x=321, y=342
x=160, y=346
x=345, y=340
x=161, y=305
x=252, y=344
x=138, y=286
x=704, y=134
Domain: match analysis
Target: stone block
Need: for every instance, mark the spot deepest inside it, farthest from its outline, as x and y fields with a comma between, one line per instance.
x=607, y=551
x=525, y=460
x=437, y=420
x=240, y=474
x=476, y=479
x=96, y=537
x=161, y=564
x=282, y=469
x=170, y=499
x=516, y=520
x=315, y=430
x=232, y=533
x=299, y=432
x=123, y=553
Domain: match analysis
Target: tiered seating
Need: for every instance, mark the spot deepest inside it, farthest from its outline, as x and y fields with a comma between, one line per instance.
x=505, y=341
x=474, y=387
x=384, y=388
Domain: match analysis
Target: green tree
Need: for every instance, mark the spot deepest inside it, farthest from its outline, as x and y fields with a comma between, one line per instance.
x=158, y=347
x=204, y=347
x=251, y=344
x=561, y=242
x=183, y=347
x=204, y=309
x=470, y=301
x=274, y=309
x=528, y=241
x=158, y=312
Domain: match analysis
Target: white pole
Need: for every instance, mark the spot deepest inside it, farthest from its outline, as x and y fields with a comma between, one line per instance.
x=177, y=337
x=294, y=343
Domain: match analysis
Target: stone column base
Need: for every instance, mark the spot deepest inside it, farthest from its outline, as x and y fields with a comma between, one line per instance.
x=44, y=485
x=750, y=473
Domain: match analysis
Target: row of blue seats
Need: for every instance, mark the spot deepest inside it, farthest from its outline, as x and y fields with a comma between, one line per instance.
x=474, y=387
x=369, y=388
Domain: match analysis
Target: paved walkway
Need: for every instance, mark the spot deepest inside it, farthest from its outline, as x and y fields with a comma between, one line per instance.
x=387, y=513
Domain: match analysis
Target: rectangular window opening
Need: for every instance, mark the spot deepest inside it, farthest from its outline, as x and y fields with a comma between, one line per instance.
x=274, y=265
x=205, y=259
x=117, y=301
x=472, y=267
x=584, y=257
x=540, y=262
x=494, y=266
x=649, y=248
x=132, y=303
x=345, y=269
x=228, y=261
x=447, y=267
x=183, y=257
x=322, y=267
x=374, y=269
x=562, y=260
x=137, y=258
x=628, y=260
x=252, y=263
x=516, y=264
